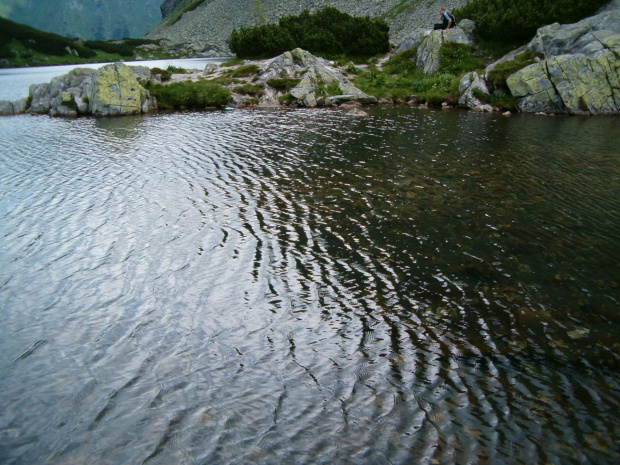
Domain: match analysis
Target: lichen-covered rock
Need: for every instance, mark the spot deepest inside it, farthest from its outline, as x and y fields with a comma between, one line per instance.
x=470, y=85
x=20, y=106
x=317, y=77
x=116, y=91
x=428, y=57
x=63, y=105
x=6, y=108
x=578, y=72
x=570, y=84
x=412, y=40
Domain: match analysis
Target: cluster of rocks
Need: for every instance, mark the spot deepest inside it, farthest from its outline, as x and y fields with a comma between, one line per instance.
x=316, y=74
x=578, y=72
x=112, y=90
x=205, y=30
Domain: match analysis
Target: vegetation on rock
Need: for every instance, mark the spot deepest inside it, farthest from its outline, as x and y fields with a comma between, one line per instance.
x=401, y=79
x=189, y=94
x=327, y=32
x=516, y=22
x=497, y=76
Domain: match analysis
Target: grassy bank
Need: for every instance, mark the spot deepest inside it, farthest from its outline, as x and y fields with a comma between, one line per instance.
x=400, y=79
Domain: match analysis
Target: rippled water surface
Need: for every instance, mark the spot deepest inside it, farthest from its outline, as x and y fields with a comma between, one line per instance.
x=289, y=287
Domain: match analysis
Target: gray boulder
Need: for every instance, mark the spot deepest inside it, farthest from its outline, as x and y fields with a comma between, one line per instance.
x=580, y=72
x=428, y=57
x=412, y=40
x=317, y=78
x=116, y=91
x=6, y=108
x=109, y=91
x=471, y=87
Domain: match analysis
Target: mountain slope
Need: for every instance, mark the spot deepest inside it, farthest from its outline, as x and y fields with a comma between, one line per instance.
x=88, y=19
x=207, y=27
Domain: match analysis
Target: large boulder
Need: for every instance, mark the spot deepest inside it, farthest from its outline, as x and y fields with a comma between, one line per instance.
x=428, y=57
x=472, y=89
x=109, y=91
x=116, y=91
x=317, y=78
x=571, y=84
x=6, y=108
x=578, y=71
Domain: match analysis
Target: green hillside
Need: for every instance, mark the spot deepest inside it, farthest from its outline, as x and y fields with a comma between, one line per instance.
x=88, y=19
x=22, y=45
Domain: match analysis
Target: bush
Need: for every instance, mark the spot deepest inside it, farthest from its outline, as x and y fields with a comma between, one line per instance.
x=328, y=32
x=458, y=59
x=283, y=84
x=498, y=75
x=250, y=89
x=188, y=94
x=244, y=71
x=164, y=74
x=516, y=22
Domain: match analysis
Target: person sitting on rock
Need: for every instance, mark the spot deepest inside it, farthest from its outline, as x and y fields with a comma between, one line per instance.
x=447, y=20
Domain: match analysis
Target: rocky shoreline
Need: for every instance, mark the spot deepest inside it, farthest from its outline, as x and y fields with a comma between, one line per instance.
x=573, y=69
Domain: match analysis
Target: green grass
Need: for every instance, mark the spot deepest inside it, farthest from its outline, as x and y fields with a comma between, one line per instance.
x=178, y=12
x=283, y=84
x=286, y=99
x=497, y=77
x=403, y=6
x=254, y=90
x=231, y=62
x=400, y=77
x=188, y=94
x=244, y=71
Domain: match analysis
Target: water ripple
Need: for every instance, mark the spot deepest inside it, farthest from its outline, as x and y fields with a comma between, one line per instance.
x=302, y=287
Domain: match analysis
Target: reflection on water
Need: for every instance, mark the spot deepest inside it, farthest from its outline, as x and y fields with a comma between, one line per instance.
x=307, y=287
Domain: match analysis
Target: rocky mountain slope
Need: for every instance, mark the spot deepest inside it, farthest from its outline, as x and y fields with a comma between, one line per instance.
x=205, y=29
x=88, y=19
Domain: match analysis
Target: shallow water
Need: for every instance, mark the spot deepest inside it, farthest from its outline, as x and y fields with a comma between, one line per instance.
x=309, y=287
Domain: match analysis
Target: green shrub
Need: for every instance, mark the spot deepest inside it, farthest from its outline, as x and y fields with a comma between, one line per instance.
x=250, y=89
x=328, y=32
x=286, y=99
x=231, y=62
x=458, y=59
x=283, y=84
x=244, y=71
x=498, y=75
x=516, y=22
x=502, y=101
x=188, y=94
x=334, y=89
x=164, y=74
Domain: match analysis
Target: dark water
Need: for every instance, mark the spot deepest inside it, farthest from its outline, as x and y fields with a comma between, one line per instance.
x=307, y=287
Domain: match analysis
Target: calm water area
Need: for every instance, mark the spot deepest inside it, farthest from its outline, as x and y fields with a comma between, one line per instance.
x=308, y=287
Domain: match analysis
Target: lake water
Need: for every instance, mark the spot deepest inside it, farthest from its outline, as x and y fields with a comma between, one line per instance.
x=296, y=287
